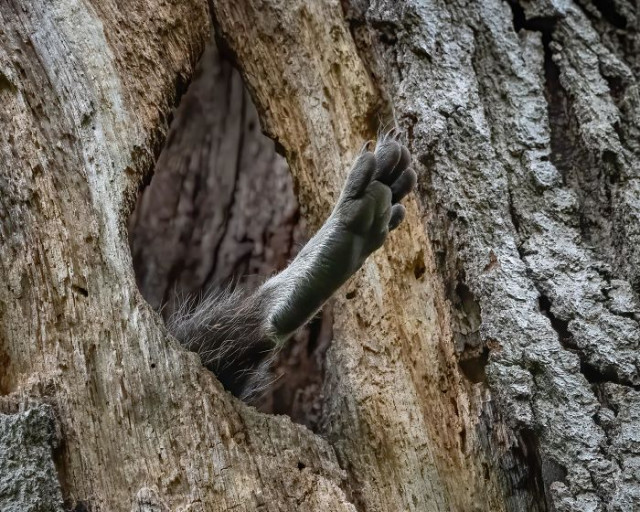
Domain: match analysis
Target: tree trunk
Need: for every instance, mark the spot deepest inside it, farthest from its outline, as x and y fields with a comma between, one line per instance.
x=485, y=359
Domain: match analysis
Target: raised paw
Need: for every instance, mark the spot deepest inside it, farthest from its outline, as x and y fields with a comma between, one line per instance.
x=369, y=206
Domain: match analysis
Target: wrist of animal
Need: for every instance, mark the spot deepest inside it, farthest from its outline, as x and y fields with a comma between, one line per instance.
x=323, y=265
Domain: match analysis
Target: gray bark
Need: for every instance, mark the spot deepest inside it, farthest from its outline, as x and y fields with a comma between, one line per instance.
x=28, y=477
x=525, y=122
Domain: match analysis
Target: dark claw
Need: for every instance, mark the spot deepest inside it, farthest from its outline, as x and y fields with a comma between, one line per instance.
x=366, y=147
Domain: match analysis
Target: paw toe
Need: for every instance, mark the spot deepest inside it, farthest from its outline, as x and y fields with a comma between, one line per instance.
x=401, y=166
x=361, y=175
x=388, y=153
x=403, y=185
x=398, y=213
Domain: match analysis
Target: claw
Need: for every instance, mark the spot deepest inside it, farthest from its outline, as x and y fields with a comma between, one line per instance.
x=366, y=146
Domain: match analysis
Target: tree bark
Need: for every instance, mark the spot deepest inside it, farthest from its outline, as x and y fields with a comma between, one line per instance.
x=523, y=123
x=485, y=359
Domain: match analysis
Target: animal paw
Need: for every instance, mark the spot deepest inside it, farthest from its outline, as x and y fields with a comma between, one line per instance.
x=369, y=206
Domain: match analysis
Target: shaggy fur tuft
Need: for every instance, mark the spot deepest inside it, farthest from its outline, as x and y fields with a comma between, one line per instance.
x=226, y=328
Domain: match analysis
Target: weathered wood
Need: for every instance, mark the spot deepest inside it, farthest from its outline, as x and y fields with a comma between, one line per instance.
x=398, y=410
x=86, y=90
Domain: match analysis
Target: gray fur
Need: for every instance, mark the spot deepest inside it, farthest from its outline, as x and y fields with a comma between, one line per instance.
x=227, y=329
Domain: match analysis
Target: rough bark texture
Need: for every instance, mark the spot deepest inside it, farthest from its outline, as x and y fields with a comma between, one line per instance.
x=397, y=409
x=28, y=478
x=524, y=121
x=485, y=359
